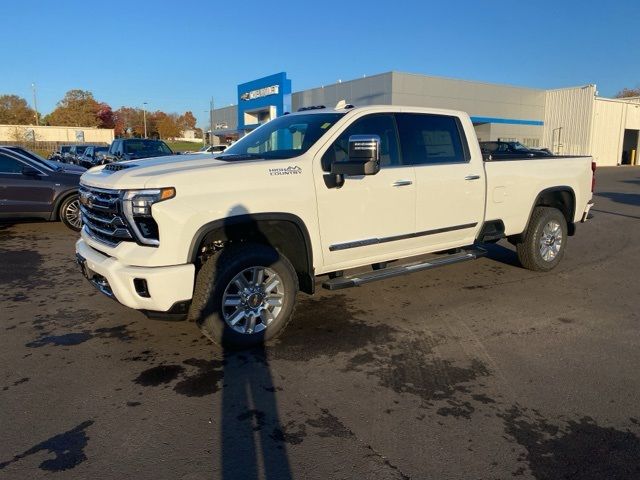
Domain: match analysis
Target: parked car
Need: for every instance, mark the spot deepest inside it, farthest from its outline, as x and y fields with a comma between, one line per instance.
x=213, y=149
x=60, y=154
x=92, y=156
x=55, y=165
x=232, y=240
x=33, y=189
x=76, y=152
x=501, y=149
x=134, y=148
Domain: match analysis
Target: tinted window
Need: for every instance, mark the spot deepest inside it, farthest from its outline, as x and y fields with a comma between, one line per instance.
x=430, y=139
x=142, y=147
x=382, y=125
x=9, y=165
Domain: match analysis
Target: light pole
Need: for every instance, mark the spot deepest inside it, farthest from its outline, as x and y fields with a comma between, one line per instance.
x=35, y=103
x=211, y=121
x=144, y=117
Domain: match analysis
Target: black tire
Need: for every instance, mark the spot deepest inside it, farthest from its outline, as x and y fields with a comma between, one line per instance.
x=216, y=276
x=531, y=250
x=69, y=213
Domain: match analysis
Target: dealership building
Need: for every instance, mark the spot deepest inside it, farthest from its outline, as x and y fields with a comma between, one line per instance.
x=568, y=121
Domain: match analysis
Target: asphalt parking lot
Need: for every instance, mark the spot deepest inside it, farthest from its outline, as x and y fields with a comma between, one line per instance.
x=482, y=370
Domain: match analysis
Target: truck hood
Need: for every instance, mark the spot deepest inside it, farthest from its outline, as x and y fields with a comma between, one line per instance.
x=151, y=172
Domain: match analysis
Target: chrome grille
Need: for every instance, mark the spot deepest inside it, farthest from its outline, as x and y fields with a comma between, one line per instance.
x=102, y=215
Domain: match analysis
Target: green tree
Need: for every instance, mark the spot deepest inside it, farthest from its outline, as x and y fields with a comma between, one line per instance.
x=15, y=110
x=78, y=108
x=628, y=92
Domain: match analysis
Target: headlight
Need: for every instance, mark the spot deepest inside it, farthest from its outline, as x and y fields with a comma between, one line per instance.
x=136, y=205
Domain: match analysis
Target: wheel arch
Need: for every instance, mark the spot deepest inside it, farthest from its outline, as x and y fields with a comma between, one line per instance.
x=55, y=211
x=561, y=197
x=286, y=232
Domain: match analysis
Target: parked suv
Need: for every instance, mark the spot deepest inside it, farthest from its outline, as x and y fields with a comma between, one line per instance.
x=76, y=153
x=60, y=153
x=35, y=189
x=134, y=148
x=92, y=156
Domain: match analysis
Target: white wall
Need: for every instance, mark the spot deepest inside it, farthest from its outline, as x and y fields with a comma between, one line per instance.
x=571, y=110
x=9, y=133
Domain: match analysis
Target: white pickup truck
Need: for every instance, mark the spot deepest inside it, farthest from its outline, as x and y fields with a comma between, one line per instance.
x=230, y=240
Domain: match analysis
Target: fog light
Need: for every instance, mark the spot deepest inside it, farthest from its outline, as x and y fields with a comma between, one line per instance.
x=140, y=285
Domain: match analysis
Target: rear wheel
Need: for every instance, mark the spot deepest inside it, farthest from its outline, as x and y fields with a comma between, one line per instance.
x=69, y=213
x=544, y=243
x=244, y=295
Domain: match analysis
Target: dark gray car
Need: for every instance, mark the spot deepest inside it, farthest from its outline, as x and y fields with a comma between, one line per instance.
x=32, y=188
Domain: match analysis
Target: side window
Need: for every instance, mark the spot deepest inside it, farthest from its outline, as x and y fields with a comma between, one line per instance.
x=9, y=165
x=382, y=125
x=430, y=139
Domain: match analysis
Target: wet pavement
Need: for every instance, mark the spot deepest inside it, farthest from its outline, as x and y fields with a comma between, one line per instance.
x=482, y=370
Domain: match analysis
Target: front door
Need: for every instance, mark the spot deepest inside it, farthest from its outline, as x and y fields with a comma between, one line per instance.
x=23, y=194
x=368, y=216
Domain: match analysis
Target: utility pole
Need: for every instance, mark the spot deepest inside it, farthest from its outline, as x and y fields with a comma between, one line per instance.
x=144, y=117
x=211, y=122
x=35, y=103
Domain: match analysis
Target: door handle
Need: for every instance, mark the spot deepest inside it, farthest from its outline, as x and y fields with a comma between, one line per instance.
x=402, y=183
x=472, y=177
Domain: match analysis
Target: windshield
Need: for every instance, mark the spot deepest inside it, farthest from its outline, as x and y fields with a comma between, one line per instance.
x=147, y=147
x=100, y=149
x=80, y=149
x=65, y=149
x=519, y=146
x=285, y=137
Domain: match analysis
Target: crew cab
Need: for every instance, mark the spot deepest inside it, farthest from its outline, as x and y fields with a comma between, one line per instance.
x=340, y=197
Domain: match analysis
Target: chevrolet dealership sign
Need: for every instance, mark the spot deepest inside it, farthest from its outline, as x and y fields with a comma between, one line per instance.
x=261, y=92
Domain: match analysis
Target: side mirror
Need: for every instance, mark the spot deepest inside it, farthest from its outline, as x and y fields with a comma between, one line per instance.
x=30, y=172
x=364, y=157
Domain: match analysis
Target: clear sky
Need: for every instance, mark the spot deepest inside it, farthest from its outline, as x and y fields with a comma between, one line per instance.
x=176, y=55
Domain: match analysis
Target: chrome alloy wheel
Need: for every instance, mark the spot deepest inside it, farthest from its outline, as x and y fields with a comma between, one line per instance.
x=72, y=214
x=252, y=300
x=550, y=241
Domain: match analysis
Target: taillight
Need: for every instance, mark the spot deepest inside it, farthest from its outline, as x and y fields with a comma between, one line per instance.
x=593, y=176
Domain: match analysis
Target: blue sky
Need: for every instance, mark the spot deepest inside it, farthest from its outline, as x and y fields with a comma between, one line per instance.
x=177, y=55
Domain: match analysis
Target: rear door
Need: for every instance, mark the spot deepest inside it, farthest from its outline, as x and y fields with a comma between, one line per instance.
x=450, y=184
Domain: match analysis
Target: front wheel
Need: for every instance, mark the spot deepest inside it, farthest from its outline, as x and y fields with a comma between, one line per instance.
x=544, y=243
x=244, y=295
x=70, y=213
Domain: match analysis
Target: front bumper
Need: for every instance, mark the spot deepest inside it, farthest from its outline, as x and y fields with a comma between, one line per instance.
x=165, y=286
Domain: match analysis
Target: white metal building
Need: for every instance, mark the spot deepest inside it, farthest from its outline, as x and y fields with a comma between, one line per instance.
x=568, y=121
